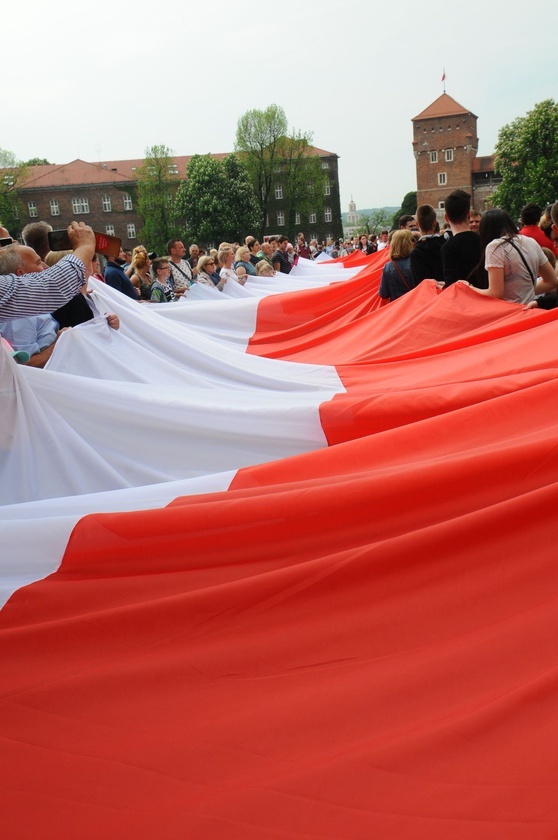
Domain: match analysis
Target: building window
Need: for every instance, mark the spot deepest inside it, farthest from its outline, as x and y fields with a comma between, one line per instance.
x=79, y=206
x=131, y=231
x=328, y=215
x=173, y=169
x=327, y=188
x=325, y=164
x=54, y=207
x=278, y=191
x=297, y=218
x=128, y=202
x=280, y=219
x=433, y=157
x=312, y=219
x=107, y=205
x=441, y=205
x=310, y=188
x=109, y=230
x=32, y=207
x=448, y=154
x=442, y=179
x=9, y=180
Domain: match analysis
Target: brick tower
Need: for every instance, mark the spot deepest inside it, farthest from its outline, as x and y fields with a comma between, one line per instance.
x=445, y=144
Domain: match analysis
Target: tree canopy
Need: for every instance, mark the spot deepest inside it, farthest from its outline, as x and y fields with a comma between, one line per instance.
x=375, y=221
x=275, y=159
x=158, y=180
x=526, y=156
x=216, y=200
x=12, y=177
x=408, y=208
x=37, y=162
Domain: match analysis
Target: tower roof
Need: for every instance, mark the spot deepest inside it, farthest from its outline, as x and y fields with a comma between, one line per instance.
x=444, y=106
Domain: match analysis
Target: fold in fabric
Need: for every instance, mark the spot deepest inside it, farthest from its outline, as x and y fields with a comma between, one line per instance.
x=356, y=638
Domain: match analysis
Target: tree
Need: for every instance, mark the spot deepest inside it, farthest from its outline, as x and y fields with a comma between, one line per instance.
x=274, y=158
x=526, y=156
x=37, y=162
x=158, y=180
x=13, y=175
x=375, y=221
x=302, y=179
x=216, y=200
x=408, y=208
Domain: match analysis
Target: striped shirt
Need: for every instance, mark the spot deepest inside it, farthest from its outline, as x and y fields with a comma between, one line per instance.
x=44, y=291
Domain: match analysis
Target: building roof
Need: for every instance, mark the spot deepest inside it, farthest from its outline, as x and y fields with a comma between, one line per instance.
x=69, y=174
x=484, y=164
x=444, y=106
x=109, y=171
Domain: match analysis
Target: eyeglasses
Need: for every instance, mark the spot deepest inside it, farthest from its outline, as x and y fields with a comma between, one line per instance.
x=210, y=262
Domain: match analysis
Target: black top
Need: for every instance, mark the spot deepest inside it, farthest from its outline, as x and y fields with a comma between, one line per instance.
x=75, y=312
x=426, y=259
x=283, y=260
x=460, y=255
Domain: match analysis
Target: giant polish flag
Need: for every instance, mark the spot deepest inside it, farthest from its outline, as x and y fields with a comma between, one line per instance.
x=286, y=572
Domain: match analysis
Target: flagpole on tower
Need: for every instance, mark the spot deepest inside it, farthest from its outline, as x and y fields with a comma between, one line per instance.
x=444, y=79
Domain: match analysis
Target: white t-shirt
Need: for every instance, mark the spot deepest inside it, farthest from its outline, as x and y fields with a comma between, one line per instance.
x=518, y=283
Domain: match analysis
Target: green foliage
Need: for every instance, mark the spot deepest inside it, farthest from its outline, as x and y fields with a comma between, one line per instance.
x=408, y=208
x=374, y=221
x=273, y=156
x=37, y=162
x=302, y=178
x=13, y=174
x=217, y=200
x=156, y=188
x=526, y=157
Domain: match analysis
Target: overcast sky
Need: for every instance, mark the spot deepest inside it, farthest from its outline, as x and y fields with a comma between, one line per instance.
x=104, y=82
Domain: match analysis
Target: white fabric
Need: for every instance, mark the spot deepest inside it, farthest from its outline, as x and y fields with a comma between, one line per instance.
x=169, y=405
x=205, y=363
x=49, y=523
x=72, y=434
x=223, y=320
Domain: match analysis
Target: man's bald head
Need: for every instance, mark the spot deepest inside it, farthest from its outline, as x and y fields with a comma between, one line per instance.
x=20, y=259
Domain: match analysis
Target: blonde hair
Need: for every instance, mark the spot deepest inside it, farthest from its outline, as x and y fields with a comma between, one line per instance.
x=401, y=245
x=140, y=258
x=244, y=249
x=54, y=257
x=263, y=267
x=227, y=249
x=202, y=262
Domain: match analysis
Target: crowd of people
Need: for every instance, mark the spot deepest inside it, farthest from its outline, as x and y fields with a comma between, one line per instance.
x=42, y=292
x=487, y=251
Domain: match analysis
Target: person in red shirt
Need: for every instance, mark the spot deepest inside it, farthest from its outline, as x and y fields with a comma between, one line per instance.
x=530, y=218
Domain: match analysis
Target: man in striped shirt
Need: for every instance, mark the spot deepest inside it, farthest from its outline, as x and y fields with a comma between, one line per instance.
x=37, y=293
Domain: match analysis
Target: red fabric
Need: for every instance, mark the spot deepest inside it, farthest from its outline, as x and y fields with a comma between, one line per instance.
x=301, y=319
x=360, y=642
